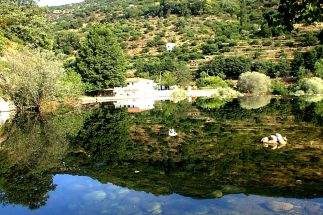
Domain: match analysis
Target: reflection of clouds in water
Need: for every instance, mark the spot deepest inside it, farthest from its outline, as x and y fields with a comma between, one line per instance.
x=254, y=102
x=95, y=196
x=111, y=199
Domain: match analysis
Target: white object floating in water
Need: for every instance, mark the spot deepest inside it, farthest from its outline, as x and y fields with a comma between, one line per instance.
x=137, y=171
x=172, y=132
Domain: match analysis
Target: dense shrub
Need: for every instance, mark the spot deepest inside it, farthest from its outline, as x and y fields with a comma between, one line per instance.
x=209, y=49
x=230, y=67
x=265, y=31
x=319, y=68
x=267, y=43
x=33, y=77
x=211, y=82
x=312, y=85
x=254, y=82
x=266, y=67
x=306, y=60
x=279, y=89
x=310, y=39
x=290, y=43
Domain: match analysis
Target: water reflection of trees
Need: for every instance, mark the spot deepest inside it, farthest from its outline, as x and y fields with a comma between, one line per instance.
x=104, y=135
x=205, y=156
x=35, y=147
x=301, y=110
x=214, y=150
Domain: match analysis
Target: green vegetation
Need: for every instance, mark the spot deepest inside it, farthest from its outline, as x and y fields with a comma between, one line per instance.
x=211, y=82
x=106, y=41
x=32, y=77
x=100, y=60
x=255, y=83
x=312, y=85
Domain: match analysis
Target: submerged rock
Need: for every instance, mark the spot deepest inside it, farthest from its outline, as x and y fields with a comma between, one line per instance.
x=279, y=206
x=275, y=141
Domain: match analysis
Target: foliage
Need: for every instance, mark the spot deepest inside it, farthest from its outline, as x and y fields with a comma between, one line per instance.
x=104, y=134
x=291, y=12
x=211, y=82
x=319, y=68
x=254, y=82
x=33, y=77
x=66, y=42
x=230, y=67
x=279, y=88
x=100, y=60
x=312, y=85
x=25, y=22
x=306, y=60
x=211, y=103
x=310, y=39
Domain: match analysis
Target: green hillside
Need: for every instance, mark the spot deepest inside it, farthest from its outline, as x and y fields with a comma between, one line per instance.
x=282, y=39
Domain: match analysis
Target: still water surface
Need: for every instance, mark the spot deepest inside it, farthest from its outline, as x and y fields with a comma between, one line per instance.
x=103, y=160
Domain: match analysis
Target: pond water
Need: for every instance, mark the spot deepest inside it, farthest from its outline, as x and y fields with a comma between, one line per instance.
x=103, y=160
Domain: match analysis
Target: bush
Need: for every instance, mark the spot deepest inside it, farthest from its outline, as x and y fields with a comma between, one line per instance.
x=33, y=77
x=254, y=42
x=319, y=68
x=279, y=89
x=265, y=67
x=312, y=85
x=254, y=82
x=231, y=66
x=265, y=31
x=310, y=39
x=290, y=43
x=209, y=48
x=211, y=82
x=267, y=43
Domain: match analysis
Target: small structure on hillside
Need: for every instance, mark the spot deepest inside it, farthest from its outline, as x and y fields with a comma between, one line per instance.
x=136, y=88
x=57, y=12
x=170, y=46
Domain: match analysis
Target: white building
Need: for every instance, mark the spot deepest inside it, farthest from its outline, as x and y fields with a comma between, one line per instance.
x=135, y=105
x=136, y=88
x=170, y=46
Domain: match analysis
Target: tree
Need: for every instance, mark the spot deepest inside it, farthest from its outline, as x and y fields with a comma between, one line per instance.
x=254, y=82
x=66, y=42
x=319, y=68
x=231, y=66
x=295, y=11
x=105, y=134
x=32, y=77
x=25, y=21
x=100, y=60
x=243, y=18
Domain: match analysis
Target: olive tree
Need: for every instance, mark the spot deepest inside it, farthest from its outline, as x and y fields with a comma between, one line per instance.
x=255, y=83
x=32, y=77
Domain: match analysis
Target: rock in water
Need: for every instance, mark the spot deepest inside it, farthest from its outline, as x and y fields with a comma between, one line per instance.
x=273, y=138
x=280, y=138
x=279, y=206
x=265, y=140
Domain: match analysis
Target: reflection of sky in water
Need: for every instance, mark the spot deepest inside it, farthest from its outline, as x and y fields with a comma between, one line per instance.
x=81, y=195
